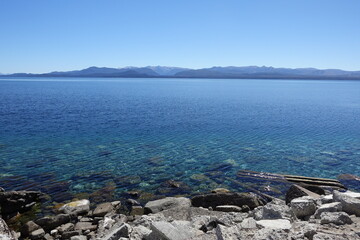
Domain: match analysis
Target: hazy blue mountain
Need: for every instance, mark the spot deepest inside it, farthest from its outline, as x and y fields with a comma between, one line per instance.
x=213, y=72
x=269, y=72
x=167, y=71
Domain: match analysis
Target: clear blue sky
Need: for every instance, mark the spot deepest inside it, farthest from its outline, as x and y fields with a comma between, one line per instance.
x=43, y=35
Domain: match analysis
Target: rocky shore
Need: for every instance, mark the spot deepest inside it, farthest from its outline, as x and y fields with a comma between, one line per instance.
x=304, y=214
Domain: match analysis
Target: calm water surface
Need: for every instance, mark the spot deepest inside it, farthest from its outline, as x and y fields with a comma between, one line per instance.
x=86, y=136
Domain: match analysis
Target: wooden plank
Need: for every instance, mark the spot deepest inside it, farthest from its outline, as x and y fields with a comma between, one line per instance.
x=292, y=178
x=311, y=178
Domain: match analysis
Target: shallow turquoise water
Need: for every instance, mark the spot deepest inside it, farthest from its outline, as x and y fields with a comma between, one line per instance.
x=68, y=136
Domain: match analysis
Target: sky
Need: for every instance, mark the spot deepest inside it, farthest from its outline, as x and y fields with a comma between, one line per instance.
x=42, y=36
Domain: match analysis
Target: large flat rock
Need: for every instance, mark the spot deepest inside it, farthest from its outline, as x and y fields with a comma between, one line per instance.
x=166, y=203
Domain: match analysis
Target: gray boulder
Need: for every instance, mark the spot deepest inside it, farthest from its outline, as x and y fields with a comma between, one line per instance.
x=329, y=207
x=178, y=230
x=349, y=204
x=213, y=200
x=68, y=235
x=37, y=234
x=102, y=209
x=166, y=203
x=338, y=218
x=83, y=226
x=303, y=206
x=28, y=227
x=274, y=210
x=139, y=233
x=122, y=231
x=49, y=223
x=65, y=228
x=223, y=232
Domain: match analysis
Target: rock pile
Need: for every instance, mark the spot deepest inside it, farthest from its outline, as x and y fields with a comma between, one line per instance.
x=219, y=215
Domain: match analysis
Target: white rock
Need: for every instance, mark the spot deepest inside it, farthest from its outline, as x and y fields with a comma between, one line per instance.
x=303, y=206
x=349, y=204
x=326, y=199
x=352, y=194
x=329, y=207
x=5, y=232
x=248, y=223
x=76, y=207
x=274, y=224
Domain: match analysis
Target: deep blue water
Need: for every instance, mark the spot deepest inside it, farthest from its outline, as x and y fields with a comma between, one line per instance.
x=69, y=136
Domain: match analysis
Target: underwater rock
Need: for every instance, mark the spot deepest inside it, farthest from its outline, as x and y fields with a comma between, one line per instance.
x=127, y=181
x=104, y=153
x=157, y=160
x=172, y=188
x=350, y=181
x=105, y=194
x=199, y=177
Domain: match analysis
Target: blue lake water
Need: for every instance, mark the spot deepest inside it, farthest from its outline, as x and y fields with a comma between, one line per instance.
x=107, y=136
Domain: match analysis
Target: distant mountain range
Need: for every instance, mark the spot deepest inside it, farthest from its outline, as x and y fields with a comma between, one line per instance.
x=250, y=72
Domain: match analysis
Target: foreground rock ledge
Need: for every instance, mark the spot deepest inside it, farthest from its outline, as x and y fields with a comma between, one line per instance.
x=243, y=216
